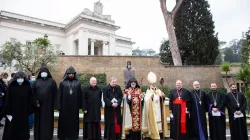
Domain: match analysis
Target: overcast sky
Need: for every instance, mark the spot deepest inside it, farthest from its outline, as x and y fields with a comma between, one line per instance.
x=140, y=20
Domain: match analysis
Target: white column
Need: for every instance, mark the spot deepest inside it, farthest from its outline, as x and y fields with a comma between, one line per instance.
x=112, y=45
x=83, y=42
x=105, y=49
x=70, y=47
x=92, y=46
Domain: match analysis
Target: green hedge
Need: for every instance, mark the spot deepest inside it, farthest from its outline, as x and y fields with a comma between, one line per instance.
x=207, y=90
x=84, y=79
x=167, y=90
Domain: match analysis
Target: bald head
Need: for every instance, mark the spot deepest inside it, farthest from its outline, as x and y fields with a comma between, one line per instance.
x=92, y=81
x=178, y=84
x=196, y=85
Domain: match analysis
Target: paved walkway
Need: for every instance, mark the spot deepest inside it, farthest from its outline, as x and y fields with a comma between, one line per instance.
x=81, y=132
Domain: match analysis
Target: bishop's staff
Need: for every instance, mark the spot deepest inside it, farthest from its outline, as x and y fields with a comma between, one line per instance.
x=163, y=107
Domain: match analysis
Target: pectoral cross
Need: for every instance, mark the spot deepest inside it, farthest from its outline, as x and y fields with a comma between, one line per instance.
x=200, y=102
x=238, y=104
x=70, y=92
x=179, y=98
x=215, y=103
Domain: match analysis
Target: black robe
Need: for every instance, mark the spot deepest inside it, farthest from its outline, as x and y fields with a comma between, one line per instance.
x=175, y=123
x=44, y=90
x=110, y=112
x=92, y=103
x=198, y=116
x=217, y=124
x=69, y=105
x=18, y=104
x=3, y=89
x=238, y=127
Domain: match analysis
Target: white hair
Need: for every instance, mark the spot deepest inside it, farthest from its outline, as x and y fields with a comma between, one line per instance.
x=195, y=82
x=92, y=78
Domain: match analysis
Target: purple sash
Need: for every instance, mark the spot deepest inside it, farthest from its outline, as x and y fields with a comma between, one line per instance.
x=202, y=137
x=210, y=109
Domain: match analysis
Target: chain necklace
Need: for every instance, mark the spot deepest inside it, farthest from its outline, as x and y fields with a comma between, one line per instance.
x=238, y=104
x=215, y=103
x=199, y=97
x=70, y=88
x=179, y=94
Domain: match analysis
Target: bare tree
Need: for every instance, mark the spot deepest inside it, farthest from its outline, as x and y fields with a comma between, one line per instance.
x=169, y=22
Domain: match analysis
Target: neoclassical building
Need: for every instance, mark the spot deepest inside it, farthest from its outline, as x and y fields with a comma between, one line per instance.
x=88, y=33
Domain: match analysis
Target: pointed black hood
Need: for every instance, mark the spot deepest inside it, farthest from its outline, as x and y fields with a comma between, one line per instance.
x=132, y=79
x=19, y=74
x=70, y=70
x=44, y=69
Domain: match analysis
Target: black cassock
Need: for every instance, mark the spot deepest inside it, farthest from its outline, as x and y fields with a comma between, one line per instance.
x=92, y=103
x=18, y=104
x=44, y=90
x=179, y=110
x=238, y=127
x=112, y=116
x=69, y=105
x=217, y=124
x=199, y=107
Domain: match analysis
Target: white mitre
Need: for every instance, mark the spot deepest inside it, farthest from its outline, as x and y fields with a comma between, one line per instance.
x=152, y=78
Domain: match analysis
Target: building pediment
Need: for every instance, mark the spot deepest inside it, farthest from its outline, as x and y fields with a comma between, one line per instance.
x=96, y=15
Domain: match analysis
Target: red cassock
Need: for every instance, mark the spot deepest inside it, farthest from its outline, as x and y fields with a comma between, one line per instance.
x=183, y=114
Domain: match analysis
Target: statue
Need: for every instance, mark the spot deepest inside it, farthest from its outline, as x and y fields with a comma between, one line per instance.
x=98, y=8
x=128, y=73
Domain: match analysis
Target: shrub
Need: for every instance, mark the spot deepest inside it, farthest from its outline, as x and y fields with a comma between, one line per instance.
x=84, y=79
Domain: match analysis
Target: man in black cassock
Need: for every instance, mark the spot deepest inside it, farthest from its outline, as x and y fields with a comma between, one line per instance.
x=199, y=107
x=179, y=107
x=92, y=103
x=44, y=90
x=236, y=104
x=3, y=90
x=69, y=103
x=17, y=108
x=216, y=113
x=112, y=96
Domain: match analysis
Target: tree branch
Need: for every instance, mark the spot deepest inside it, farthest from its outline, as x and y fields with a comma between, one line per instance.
x=163, y=5
x=177, y=6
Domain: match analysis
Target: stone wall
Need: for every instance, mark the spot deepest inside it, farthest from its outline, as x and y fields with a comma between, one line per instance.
x=114, y=65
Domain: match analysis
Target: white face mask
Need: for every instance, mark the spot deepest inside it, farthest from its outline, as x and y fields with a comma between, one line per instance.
x=44, y=74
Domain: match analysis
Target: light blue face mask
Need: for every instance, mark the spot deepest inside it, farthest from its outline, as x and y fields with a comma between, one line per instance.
x=20, y=81
x=44, y=74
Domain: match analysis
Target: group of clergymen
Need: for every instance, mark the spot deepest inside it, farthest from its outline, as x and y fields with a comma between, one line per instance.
x=143, y=115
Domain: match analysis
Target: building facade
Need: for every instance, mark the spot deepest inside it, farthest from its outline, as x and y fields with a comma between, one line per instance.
x=89, y=33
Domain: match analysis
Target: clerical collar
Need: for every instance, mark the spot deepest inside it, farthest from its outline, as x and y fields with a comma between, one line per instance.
x=111, y=86
x=91, y=86
x=179, y=89
x=214, y=91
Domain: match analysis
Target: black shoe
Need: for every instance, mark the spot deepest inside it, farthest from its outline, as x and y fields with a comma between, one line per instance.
x=1, y=125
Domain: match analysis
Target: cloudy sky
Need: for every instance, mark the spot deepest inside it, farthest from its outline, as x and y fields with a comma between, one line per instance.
x=140, y=20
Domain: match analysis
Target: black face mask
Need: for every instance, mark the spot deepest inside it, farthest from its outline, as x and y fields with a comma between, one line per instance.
x=234, y=90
